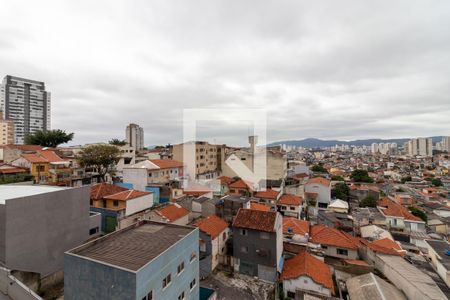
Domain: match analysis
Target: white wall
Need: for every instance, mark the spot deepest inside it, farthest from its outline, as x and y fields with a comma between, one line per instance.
x=217, y=244
x=324, y=193
x=304, y=283
x=139, y=204
x=137, y=177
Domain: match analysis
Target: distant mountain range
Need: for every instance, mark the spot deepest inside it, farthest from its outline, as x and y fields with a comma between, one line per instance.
x=317, y=143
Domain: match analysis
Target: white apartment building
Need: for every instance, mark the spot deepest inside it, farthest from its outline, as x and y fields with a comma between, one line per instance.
x=135, y=136
x=420, y=147
x=445, y=144
x=27, y=104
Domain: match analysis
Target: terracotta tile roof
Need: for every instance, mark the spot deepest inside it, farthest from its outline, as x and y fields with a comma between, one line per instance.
x=288, y=199
x=225, y=179
x=51, y=156
x=10, y=169
x=212, y=225
x=240, y=184
x=356, y=262
x=396, y=210
x=297, y=226
x=324, y=235
x=319, y=180
x=126, y=195
x=380, y=249
x=261, y=207
x=268, y=194
x=104, y=189
x=172, y=212
x=44, y=156
x=167, y=163
x=387, y=243
x=255, y=219
x=34, y=158
x=304, y=264
x=24, y=147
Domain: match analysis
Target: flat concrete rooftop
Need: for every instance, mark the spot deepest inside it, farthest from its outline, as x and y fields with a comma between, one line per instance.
x=133, y=247
x=441, y=248
x=8, y=192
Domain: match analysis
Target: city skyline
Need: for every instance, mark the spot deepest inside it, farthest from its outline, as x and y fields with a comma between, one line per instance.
x=317, y=74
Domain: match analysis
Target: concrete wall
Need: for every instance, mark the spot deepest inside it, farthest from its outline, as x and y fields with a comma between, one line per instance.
x=95, y=221
x=139, y=204
x=13, y=288
x=40, y=228
x=150, y=277
x=323, y=192
x=87, y=280
x=304, y=283
x=137, y=177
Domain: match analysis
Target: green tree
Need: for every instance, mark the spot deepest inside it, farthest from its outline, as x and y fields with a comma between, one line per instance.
x=341, y=191
x=436, y=182
x=48, y=138
x=319, y=169
x=117, y=142
x=101, y=158
x=418, y=213
x=337, y=178
x=361, y=176
x=369, y=201
x=406, y=178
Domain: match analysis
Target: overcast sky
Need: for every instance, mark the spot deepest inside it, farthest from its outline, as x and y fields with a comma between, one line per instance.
x=325, y=69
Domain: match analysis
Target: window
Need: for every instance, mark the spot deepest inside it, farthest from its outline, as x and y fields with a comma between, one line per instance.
x=193, y=256
x=292, y=207
x=116, y=203
x=342, y=252
x=181, y=297
x=291, y=294
x=180, y=267
x=324, y=246
x=166, y=281
x=264, y=235
x=283, y=207
x=93, y=230
x=244, y=249
x=243, y=231
x=192, y=284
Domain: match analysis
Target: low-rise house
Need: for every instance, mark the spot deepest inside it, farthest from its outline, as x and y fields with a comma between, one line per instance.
x=259, y=206
x=214, y=233
x=370, y=286
x=291, y=206
x=404, y=199
x=295, y=231
x=258, y=243
x=147, y=260
x=437, y=225
x=338, y=206
x=360, y=192
x=170, y=213
x=399, y=218
x=333, y=242
x=322, y=188
x=9, y=172
x=374, y=232
x=304, y=272
x=268, y=196
x=224, y=183
x=439, y=253
x=336, y=220
x=230, y=205
x=240, y=188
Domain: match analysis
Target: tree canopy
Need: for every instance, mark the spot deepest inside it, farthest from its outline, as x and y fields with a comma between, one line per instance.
x=361, y=176
x=418, y=213
x=319, y=169
x=337, y=178
x=369, y=201
x=101, y=158
x=436, y=182
x=117, y=142
x=341, y=191
x=49, y=138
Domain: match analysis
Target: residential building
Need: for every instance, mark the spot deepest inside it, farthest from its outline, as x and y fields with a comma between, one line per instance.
x=148, y=260
x=338, y=206
x=135, y=136
x=170, y=213
x=39, y=223
x=320, y=188
x=207, y=158
x=399, y=218
x=258, y=243
x=27, y=103
x=445, y=143
x=214, y=234
x=9, y=171
x=333, y=242
x=360, y=192
x=240, y=188
x=305, y=272
x=230, y=206
x=370, y=286
x=269, y=196
x=46, y=167
x=155, y=171
x=420, y=147
x=6, y=130
x=438, y=251
x=295, y=231
x=290, y=206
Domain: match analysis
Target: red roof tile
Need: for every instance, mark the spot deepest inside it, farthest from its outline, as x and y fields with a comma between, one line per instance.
x=304, y=264
x=167, y=163
x=225, y=179
x=255, y=219
x=10, y=169
x=240, y=184
x=288, y=199
x=297, y=226
x=396, y=210
x=356, y=262
x=324, y=235
x=257, y=206
x=387, y=243
x=268, y=194
x=172, y=212
x=104, y=189
x=212, y=226
x=319, y=180
x=126, y=195
x=34, y=158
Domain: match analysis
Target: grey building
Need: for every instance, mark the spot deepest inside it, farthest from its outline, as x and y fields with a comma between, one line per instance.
x=258, y=243
x=229, y=205
x=39, y=223
x=135, y=136
x=145, y=261
x=27, y=103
